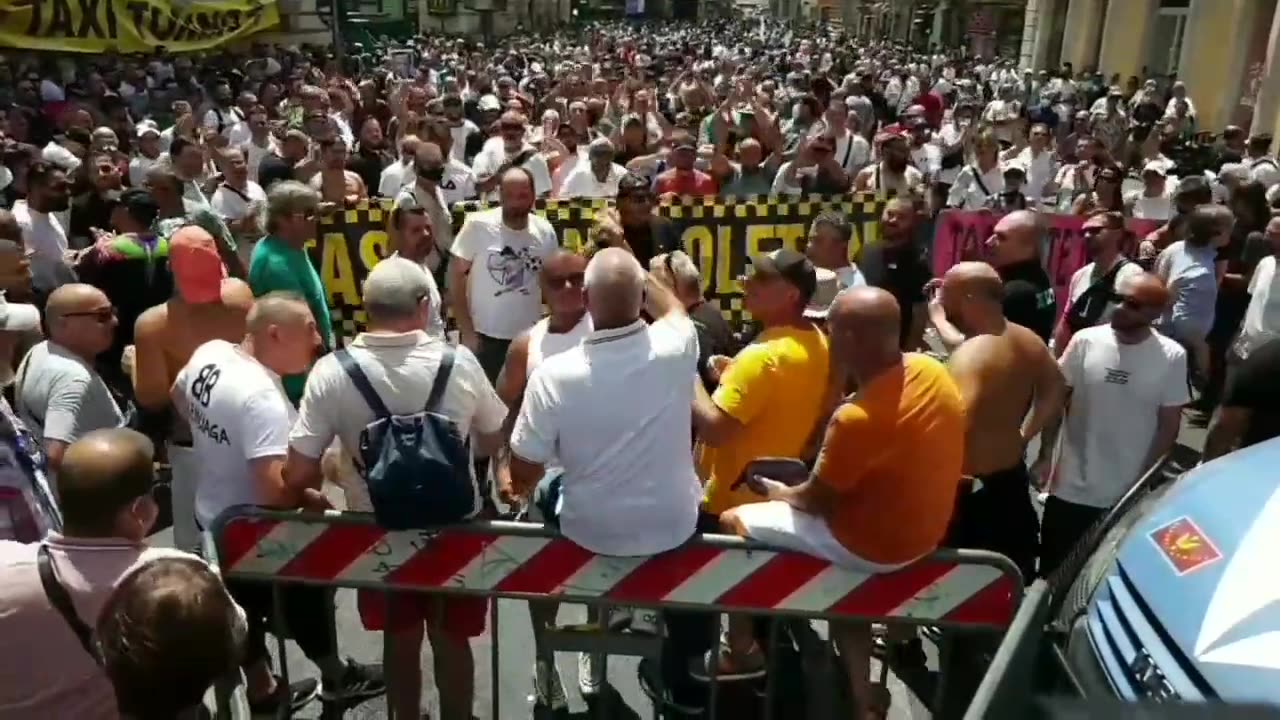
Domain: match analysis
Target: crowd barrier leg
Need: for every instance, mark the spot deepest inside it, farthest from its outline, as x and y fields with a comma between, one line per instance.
x=278, y=628
x=495, y=633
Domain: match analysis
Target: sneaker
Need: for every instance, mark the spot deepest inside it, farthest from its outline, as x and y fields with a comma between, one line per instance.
x=298, y=695
x=727, y=666
x=548, y=691
x=358, y=682
x=590, y=673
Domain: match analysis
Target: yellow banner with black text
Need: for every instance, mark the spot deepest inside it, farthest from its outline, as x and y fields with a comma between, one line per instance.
x=131, y=26
x=719, y=236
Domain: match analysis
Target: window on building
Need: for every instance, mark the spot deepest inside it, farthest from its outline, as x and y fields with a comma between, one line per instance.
x=1164, y=47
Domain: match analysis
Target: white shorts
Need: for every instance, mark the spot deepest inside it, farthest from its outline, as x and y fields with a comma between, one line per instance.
x=779, y=524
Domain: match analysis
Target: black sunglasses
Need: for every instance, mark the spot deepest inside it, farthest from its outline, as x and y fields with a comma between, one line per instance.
x=101, y=315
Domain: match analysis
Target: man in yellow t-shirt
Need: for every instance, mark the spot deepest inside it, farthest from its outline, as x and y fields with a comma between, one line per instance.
x=884, y=487
x=770, y=396
x=769, y=401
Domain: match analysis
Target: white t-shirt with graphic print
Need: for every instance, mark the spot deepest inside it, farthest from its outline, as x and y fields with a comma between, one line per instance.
x=1117, y=390
x=502, y=286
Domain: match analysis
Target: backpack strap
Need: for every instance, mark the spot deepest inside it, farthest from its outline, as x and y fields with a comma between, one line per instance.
x=361, y=381
x=61, y=601
x=442, y=379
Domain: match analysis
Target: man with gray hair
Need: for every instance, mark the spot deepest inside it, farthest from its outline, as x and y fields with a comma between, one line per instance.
x=401, y=362
x=280, y=263
x=627, y=379
x=596, y=178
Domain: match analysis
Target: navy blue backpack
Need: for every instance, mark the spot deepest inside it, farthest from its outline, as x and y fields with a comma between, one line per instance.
x=418, y=466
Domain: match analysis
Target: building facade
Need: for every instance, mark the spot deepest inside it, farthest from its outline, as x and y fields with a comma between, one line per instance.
x=1226, y=51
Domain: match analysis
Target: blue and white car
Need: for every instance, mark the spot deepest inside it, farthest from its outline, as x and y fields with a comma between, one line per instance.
x=1181, y=599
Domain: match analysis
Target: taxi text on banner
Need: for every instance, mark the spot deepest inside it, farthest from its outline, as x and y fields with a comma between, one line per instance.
x=718, y=234
x=130, y=26
x=962, y=235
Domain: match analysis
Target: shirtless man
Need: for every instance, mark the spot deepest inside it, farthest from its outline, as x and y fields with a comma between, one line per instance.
x=561, y=277
x=207, y=306
x=893, y=175
x=335, y=182
x=1002, y=369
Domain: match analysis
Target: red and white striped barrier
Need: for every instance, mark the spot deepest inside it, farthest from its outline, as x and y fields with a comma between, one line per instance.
x=521, y=560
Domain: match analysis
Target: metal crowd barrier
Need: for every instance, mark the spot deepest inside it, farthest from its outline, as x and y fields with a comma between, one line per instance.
x=953, y=590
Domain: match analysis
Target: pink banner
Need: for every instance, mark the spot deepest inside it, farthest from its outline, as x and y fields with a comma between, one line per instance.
x=962, y=235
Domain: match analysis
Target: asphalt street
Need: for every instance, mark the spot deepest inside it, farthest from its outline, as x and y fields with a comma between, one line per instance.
x=513, y=681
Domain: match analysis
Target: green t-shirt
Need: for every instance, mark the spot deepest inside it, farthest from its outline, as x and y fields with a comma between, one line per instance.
x=277, y=266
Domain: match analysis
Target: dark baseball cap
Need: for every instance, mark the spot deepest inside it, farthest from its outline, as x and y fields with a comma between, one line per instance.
x=790, y=266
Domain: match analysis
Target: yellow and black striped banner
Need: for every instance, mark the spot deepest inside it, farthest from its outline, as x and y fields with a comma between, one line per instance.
x=719, y=235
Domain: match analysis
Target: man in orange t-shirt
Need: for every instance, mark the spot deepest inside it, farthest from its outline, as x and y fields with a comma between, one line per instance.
x=683, y=178
x=884, y=487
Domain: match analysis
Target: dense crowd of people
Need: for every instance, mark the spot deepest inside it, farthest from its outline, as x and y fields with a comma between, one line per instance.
x=159, y=309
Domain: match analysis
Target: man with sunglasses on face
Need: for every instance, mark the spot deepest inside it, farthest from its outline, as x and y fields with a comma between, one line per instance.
x=646, y=233
x=426, y=194
x=57, y=390
x=1126, y=385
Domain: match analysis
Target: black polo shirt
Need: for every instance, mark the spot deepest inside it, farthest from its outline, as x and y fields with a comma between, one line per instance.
x=902, y=271
x=1028, y=297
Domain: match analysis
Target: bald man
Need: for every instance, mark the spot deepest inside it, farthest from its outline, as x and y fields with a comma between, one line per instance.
x=1126, y=388
x=240, y=418
x=104, y=493
x=565, y=327
x=870, y=512
x=1014, y=251
x=1002, y=368
x=60, y=395
x=505, y=246
x=602, y=438
x=895, y=264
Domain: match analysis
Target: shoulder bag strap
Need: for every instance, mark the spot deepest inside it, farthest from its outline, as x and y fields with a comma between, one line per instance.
x=848, y=152
x=61, y=601
x=241, y=195
x=977, y=178
x=18, y=381
x=361, y=381
x=442, y=379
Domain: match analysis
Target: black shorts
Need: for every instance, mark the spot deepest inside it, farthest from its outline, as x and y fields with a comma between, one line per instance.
x=994, y=512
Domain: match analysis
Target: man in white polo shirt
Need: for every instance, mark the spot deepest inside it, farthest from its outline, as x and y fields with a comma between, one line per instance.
x=401, y=362
x=615, y=412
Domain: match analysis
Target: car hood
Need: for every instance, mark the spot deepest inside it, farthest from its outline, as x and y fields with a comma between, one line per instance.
x=1206, y=563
